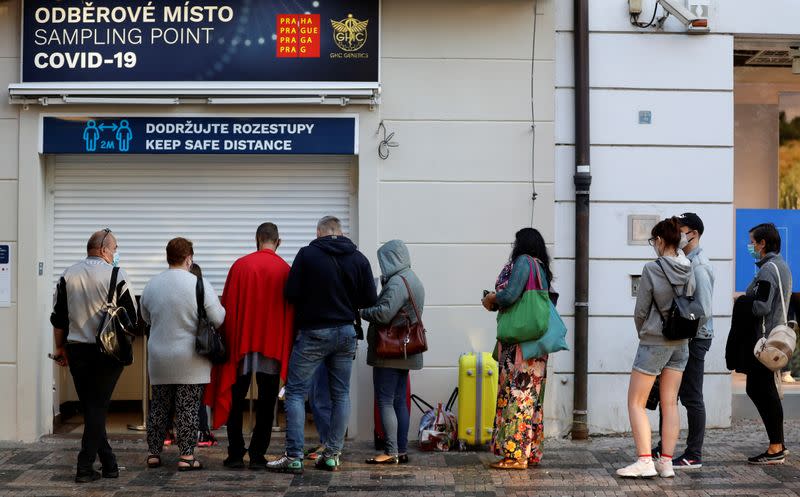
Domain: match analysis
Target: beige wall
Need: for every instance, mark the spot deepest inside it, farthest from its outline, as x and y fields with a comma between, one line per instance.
x=10, y=409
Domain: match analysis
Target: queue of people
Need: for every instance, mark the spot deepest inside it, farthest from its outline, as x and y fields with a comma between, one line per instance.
x=300, y=326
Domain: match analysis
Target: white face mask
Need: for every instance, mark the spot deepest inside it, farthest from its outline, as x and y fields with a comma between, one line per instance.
x=684, y=241
x=115, y=259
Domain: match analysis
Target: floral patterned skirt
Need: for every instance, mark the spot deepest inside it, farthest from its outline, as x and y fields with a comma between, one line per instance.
x=518, y=424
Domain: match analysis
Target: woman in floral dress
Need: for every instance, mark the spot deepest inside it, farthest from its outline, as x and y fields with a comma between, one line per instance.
x=518, y=426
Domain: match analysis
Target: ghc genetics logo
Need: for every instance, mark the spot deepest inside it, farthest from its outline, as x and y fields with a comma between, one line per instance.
x=350, y=34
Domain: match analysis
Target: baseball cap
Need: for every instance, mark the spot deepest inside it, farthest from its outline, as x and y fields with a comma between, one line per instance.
x=691, y=221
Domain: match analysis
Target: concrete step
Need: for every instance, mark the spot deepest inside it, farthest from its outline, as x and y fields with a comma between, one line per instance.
x=743, y=408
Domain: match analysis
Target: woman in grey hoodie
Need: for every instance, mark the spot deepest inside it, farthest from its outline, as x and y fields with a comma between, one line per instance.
x=769, y=307
x=661, y=279
x=390, y=376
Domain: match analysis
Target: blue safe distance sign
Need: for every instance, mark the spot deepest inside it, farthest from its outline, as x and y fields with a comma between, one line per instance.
x=203, y=135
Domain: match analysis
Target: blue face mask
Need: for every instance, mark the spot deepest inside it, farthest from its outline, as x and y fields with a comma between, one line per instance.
x=751, y=249
x=115, y=259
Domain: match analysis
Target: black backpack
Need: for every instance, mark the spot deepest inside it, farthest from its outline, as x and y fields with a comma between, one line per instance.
x=683, y=319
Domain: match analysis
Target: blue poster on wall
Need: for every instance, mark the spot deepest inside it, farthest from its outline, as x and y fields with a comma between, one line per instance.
x=199, y=135
x=302, y=41
x=788, y=224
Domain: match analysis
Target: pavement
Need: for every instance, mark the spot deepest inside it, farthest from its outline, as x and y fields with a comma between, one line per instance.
x=46, y=469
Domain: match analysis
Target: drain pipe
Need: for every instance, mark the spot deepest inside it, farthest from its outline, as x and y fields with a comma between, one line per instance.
x=583, y=180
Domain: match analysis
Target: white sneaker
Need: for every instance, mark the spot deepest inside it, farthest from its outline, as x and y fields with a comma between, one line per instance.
x=664, y=468
x=643, y=468
x=788, y=378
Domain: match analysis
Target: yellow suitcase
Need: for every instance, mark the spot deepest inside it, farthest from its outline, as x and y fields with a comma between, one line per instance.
x=477, y=398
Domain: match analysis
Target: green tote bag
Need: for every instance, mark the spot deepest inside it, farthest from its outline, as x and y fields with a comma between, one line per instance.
x=529, y=317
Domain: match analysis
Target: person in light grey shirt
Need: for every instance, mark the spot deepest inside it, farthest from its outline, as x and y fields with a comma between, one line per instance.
x=79, y=308
x=177, y=372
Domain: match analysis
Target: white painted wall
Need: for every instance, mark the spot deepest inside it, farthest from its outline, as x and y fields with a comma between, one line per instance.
x=457, y=92
x=681, y=162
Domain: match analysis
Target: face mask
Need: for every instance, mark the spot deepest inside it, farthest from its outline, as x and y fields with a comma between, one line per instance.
x=751, y=249
x=684, y=241
x=655, y=249
x=115, y=259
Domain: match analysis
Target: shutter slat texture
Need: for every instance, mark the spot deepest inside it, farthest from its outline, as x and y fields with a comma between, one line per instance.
x=218, y=204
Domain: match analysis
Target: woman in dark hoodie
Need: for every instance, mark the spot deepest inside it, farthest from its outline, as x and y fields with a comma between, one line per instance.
x=671, y=272
x=390, y=376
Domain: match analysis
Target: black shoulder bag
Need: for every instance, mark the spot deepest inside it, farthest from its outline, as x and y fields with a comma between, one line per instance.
x=208, y=342
x=350, y=289
x=683, y=319
x=113, y=335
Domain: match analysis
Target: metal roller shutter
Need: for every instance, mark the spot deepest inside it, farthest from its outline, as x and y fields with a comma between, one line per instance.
x=215, y=202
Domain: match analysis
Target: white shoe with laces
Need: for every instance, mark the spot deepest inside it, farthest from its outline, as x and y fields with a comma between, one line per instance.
x=664, y=467
x=642, y=468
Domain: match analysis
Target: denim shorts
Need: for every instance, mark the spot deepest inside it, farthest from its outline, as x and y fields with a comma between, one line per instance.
x=651, y=359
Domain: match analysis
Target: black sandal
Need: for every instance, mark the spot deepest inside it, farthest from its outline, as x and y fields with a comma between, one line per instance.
x=153, y=457
x=390, y=460
x=192, y=464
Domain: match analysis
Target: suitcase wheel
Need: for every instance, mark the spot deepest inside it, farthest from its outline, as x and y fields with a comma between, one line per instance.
x=462, y=446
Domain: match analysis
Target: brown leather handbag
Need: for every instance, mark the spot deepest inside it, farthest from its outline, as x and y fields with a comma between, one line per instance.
x=394, y=342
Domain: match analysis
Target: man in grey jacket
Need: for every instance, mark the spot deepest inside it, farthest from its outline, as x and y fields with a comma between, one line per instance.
x=77, y=314
x=691, y=391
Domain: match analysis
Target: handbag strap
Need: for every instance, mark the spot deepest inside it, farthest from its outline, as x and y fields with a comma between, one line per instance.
x=200, y=293
x=113, y=286
x=413, y=300
x=780, y=287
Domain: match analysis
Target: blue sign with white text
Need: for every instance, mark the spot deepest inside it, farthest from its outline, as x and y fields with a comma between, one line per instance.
x=788, y=224
x=333, y=41
x=4, y=254
x=204, y=135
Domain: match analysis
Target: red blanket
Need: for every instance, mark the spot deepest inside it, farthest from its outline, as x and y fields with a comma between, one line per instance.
x=257, y=319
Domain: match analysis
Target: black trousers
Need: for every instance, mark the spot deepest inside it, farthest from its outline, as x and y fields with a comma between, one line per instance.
x=763, y=392
x=691, y=396
x=95, y=376
x=268, y=385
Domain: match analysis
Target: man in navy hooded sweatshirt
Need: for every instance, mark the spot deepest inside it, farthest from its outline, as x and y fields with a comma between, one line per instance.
x=329, y=282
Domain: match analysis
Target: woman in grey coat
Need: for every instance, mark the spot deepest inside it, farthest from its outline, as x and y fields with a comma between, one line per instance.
x=390, y=376
x=769, y=307
x=178, y=374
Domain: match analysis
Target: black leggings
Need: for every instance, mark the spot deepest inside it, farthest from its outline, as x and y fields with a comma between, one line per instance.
x=763, y=392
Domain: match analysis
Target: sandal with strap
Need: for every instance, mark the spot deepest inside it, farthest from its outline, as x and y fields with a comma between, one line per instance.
x=509, y=464
x=153, y=461
x=191, y=464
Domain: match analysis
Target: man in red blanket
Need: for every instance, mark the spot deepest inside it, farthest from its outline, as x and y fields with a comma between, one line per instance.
x=258, y=334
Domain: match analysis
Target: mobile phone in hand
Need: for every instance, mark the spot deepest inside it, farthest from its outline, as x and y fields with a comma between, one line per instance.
x=54, y=357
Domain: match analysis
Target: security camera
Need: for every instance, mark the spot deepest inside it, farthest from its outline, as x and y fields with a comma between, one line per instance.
x=683, y=14
x=680, y=12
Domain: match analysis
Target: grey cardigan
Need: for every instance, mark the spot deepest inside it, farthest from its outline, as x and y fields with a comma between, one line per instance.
x=395, y=262
x=656, y=292
x=767, y=304
x=169, y=305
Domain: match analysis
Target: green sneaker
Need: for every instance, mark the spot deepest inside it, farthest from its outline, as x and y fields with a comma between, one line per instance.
x=286, y=464
x=328, y=462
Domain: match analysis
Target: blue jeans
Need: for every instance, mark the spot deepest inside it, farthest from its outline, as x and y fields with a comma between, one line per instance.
x=336, y=348
x=320, y=399
x=390, y=393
